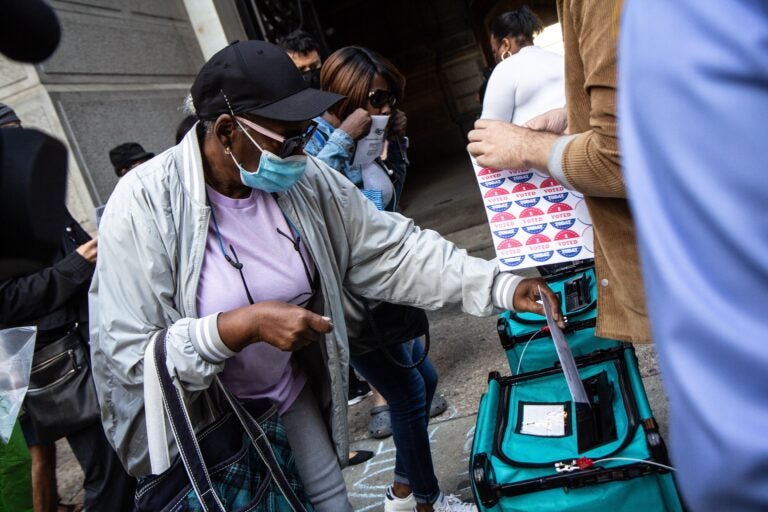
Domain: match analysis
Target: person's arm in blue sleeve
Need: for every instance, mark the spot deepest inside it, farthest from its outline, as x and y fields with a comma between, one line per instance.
x=337, y=153
x=336, y=146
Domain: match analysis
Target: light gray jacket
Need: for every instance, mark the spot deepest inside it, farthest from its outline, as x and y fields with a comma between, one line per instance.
x=152, y=239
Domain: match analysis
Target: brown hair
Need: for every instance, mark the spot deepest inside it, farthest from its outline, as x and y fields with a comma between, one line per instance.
x=350, y=71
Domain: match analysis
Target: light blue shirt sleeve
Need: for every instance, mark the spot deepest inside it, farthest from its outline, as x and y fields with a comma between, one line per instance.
x=694, y=99
x=335, y=148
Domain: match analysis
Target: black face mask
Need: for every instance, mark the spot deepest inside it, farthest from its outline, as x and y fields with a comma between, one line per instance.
x=312, y=77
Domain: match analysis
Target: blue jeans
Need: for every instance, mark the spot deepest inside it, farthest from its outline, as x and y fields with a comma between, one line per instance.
x=409, y=394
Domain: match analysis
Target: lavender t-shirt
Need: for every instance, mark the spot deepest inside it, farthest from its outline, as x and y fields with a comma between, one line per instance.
x=273, y=270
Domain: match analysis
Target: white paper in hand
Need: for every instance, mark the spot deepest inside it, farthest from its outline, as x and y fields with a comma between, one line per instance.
x=564, y=353
x=371, y=146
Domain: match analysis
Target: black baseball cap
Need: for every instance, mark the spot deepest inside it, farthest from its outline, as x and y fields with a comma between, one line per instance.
x=125, y=154
x=257, y=78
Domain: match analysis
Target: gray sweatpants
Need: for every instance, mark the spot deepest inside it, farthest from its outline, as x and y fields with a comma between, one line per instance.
x=315, y=458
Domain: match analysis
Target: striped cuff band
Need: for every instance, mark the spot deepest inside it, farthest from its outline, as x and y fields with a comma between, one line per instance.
x=504, y=287
x=555, y=160
x=204, y=333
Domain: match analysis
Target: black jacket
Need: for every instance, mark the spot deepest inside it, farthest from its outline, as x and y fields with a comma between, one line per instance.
x=54, y=298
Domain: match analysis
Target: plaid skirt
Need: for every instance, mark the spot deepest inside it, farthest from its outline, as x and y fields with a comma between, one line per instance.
x=240, y=478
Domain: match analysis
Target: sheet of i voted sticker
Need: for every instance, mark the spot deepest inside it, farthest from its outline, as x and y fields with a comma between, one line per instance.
x=533, y=219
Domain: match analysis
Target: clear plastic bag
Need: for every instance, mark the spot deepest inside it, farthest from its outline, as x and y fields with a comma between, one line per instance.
x=17, y=346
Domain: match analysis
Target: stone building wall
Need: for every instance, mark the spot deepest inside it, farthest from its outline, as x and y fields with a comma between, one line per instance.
x=119, y=75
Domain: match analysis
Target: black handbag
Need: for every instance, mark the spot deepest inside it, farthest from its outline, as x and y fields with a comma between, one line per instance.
x=391, y=324
x=237, y=463
x=61, y=398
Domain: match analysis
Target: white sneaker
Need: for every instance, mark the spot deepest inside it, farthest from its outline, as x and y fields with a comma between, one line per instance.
x=394, y=504
x=451, y=503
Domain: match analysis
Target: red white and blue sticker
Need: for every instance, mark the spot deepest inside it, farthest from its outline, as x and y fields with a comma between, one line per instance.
x=514, y=261
x=510, y=253
x=493, y=183
x=534, y=220
x=553, y=191
x=526, y=194
x=542, y=256
x=561, y=216
x=540, y=248
x=521, y=177
x=559, y=208
x=568, y=243
x=509, y=244
x=550, y=182
x=534, y=228
x=531, y=212
x=537, y=240
x=563, y=224
x=506, y=233
x=498, y=199
x=502, y=217
x=556, y=197
x=489, y=172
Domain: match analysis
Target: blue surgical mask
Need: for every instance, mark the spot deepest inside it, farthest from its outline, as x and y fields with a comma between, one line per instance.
x=274, y=174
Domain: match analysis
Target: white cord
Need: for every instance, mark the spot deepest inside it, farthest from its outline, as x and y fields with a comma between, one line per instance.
x=635, y=460
x=522, y=354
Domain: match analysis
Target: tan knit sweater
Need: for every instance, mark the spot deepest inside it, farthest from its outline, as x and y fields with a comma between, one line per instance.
x=591, y=164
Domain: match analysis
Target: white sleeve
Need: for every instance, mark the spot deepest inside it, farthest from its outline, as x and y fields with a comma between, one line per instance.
x=499, y=100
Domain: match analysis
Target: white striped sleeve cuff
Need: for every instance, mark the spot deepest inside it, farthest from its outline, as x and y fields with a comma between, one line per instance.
x=204, y=333
x=504, y=286
x=555, y=160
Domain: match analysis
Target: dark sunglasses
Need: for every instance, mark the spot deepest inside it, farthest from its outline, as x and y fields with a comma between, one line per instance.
x=289, y=144
x=380, y=97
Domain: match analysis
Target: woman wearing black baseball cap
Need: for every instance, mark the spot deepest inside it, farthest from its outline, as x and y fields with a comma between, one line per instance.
x=241, y=251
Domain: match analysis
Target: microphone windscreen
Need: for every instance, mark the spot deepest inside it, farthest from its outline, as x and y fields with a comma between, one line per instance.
x=29, y=30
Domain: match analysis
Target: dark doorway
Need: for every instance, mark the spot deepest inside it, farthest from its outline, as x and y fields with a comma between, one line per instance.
x=441, y=46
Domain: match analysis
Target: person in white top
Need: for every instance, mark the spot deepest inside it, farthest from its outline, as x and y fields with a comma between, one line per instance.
x=528, y=80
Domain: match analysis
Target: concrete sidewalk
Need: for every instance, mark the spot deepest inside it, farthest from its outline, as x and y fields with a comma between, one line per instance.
x=451, y=441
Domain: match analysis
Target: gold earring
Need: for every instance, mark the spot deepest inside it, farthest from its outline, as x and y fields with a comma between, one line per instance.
x=507, y=54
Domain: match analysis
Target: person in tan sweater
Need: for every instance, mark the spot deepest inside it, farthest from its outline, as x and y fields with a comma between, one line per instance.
x=586, y=161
